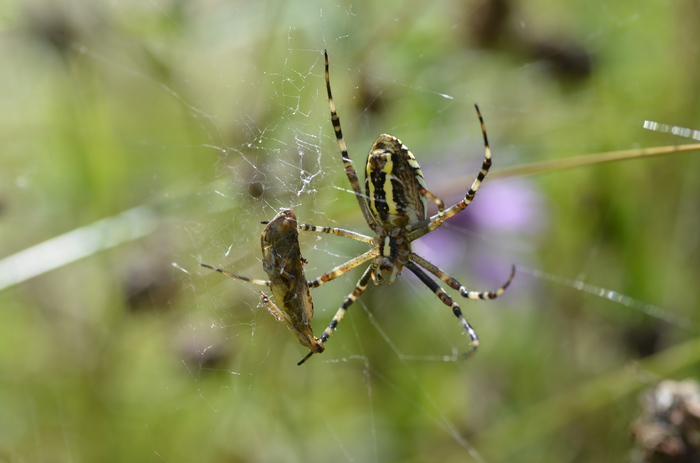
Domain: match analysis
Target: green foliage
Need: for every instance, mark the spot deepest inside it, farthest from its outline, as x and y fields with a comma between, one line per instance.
x=213, y=116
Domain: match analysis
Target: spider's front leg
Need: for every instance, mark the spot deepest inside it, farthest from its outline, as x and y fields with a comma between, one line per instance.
x=344, y=268
x=448, y=301
x=338, y=232
x=352, y=297
x=456, y=285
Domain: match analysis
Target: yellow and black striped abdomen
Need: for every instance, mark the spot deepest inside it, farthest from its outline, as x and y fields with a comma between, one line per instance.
x=394, y=184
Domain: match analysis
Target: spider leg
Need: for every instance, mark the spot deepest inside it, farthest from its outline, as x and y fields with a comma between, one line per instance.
x=343, y=268
x=448, y=301
x=454, y=284
x=437, y=220
x=440, y=204
x=337, y=231
x=349, y=169
x=424, y=223
x=352, y=297
x=233, y=275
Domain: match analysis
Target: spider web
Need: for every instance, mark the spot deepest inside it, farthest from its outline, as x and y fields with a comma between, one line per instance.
x=197, y=369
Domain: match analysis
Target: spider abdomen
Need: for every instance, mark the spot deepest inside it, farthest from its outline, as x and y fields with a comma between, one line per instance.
x=394, y=184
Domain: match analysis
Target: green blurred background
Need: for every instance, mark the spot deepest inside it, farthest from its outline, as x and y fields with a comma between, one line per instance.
x=205, y=118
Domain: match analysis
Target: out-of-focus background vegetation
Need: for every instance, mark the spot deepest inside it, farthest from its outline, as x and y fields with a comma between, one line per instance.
x=204, y=118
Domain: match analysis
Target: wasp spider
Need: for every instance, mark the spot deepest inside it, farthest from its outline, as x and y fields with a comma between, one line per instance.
x=395, y=206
